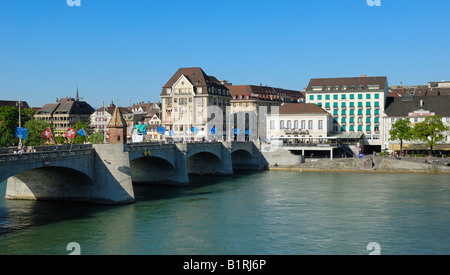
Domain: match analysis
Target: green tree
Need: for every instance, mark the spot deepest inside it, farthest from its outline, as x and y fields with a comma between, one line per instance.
x=402, y=131
x=35, y=129
x=10, y=120
x=9, y=116
x=60, y=140
x=430, y=131
x=96, y=138
x=78, y=126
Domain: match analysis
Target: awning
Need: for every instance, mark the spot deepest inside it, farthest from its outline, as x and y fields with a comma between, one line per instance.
x=351, y=135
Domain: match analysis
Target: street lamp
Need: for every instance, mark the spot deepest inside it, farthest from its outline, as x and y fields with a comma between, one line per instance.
x=20, y=104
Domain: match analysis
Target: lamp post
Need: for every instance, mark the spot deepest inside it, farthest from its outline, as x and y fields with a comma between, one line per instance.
x=20, y=104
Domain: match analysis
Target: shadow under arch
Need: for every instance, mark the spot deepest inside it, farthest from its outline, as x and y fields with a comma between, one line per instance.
x=151, y=169
x=204, y=163
x=240, y=159
x=50, y=184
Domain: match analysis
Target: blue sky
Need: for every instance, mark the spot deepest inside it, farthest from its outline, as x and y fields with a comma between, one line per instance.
x=122, y=49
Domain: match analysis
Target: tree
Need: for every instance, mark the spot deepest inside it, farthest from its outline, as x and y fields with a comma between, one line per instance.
x=96, y=138
x=9, y=115
x=80, y=139
x=402, y=131
x=430, y=131
x=35, y=129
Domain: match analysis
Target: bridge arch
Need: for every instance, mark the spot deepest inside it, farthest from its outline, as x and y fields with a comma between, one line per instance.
x=50, y=183
x=151, y=169
x=204, y=163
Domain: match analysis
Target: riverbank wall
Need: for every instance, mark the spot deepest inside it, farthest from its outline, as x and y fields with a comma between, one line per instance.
x=378, y=164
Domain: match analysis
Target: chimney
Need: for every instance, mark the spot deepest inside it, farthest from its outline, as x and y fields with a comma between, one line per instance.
x=363, y=75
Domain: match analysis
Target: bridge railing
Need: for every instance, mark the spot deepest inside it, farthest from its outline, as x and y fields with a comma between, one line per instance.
x=35, y=149
x=44, y=155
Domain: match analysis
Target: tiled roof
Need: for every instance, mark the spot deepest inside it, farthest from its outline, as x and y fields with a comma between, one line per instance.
x=402, y=106
x=301, y=108
x=348, y=81
x=196, y=76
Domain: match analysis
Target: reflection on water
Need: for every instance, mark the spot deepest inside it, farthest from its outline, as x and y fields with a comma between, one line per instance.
x=262, y=213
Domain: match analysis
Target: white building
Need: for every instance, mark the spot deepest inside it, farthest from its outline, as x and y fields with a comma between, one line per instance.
x=299, y=120
x=186, y=100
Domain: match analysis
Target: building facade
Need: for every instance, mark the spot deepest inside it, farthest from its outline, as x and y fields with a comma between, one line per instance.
x=65, y=113
x=186, y=101
x=416, y=109
x=299, y=120
x=356, y=103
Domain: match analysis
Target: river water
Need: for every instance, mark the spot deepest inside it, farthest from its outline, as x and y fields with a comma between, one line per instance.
x=268, y=213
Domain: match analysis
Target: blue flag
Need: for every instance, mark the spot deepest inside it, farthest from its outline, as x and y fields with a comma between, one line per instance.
x=161, y=130
x=247, y=132
x=213, y=130
x=237, y=131
x=194, y=130
x=171, y=132
x=21, y=133
x=81, y=132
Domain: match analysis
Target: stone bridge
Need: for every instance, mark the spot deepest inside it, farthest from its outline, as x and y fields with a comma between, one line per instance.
x=106, y=173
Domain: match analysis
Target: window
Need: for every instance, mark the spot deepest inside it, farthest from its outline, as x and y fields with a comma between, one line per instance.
x=343, y=105
x=367, y=96
x=344, y=87
x=320, y=124
x=343, y=112
x=303, y=126
x=360, y=112
x=377, y=120
x=328, y=88
x=310, y=124
x=327, y=105
x=359, y=104
x=373, y=87
x=288, y=124
x=352, y=120
x=352, y=128
x=335, y=97
x=368, y=128
x=296, y=124
x=377, y=96
x=281, y=124
x=352, y=104
x=311, y=97
x=377, y=104
x=317, y=88
x=327, y=97
x=352, y=112
x=367, y=104
x=368, y=120
x=377, y=112
x=335, y=104
x=343, y=96
x=319, y=97
x=272, y=124
x=360, y=96
x=343, y=120
x=335, y=112
x=360, y=128
x=361, y=87
x=352, y=96
x=336, y=88
x=352, y=87
x=360, y=120
x=368, y=112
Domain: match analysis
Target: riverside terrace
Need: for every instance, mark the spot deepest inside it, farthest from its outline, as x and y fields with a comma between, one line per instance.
x=105, y=173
